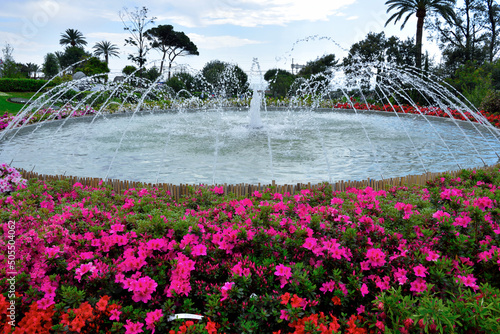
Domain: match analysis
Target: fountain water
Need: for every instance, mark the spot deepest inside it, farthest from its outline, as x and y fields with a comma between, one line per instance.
x=166, y=140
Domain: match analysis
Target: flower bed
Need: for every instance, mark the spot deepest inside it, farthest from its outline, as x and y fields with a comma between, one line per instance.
x=407, y=260
x=45, y=114
x=68, y=110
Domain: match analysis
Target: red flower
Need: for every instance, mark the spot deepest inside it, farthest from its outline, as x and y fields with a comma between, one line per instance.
x=285, y=298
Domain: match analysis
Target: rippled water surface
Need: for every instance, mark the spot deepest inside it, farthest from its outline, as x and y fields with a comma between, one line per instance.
x=208, y=147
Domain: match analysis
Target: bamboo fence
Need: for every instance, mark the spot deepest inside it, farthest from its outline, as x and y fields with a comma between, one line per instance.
x=242, y=190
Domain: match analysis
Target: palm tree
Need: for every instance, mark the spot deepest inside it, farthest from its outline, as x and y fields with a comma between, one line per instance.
x=421, y=8
x=107, y=49
x=72, y=37
x=32, y=69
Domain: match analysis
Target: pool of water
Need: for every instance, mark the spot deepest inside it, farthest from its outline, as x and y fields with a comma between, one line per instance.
x=219, y=147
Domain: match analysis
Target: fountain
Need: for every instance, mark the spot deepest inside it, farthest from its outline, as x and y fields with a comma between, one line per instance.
x=190, y=140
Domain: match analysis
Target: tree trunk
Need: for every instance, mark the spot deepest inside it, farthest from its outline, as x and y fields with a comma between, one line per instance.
x=161, y=64
x=420, y=32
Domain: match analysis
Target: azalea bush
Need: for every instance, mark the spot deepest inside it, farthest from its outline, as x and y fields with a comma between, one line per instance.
x=400, y=260
x=43, y=114
x=10, y=179
x=68, y=110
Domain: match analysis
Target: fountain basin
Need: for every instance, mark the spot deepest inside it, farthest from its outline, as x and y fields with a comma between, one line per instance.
x=218, y=146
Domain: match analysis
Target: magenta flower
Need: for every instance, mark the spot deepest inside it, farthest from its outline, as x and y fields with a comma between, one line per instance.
x=420, y=270
x=217, y=190
x=84, y=268
x=225, y=290
x=376, y=257
x=199, y=250
x=364, y=290
x=117, y=228
x=400, y=276
x=432, y=256
x=310, y=243
x=133, y=327
x=483, y=203
x=327, y=286
x=142, y=288
x=463, y=220
x=283, y=271
x=469, y=281
x=152, y=318
x=115, y=315
x=284, y=315
x=440, y=214
x=419, y=285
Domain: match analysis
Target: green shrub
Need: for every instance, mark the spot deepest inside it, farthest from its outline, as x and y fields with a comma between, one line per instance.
x=21, y=85
x=491, y=103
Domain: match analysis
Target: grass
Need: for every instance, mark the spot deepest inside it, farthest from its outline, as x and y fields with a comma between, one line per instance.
x=10, y=107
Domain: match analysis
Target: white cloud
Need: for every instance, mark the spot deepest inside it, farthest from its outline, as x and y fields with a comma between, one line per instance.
x=351, y=18
x=219, y=42
x=252, y=13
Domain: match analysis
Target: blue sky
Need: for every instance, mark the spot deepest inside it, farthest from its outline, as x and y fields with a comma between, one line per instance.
x=276, y=32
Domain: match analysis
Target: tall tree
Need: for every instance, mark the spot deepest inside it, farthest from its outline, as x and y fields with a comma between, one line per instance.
x=136, y=23
x=9, y=68
x=171, y=43
x=50, y=65
x=106, y=49
x=421, y=8
x=71, y=56
x=323, y=64
x=32, y=69
x=492, y=22
x=72, y=37
x=279, y=81
x=463, y=40
x=224, y=78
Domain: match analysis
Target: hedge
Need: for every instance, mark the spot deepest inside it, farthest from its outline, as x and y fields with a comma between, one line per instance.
x=21, y=85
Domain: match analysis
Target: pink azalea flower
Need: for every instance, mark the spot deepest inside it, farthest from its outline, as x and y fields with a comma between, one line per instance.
x=217, y=190
x=365, y=265
x=420, y=270
x=364, y=290
x=463, y=220
x=376, y=257
x=432, y=256
x=483, y=203
x=382, y=284
x=83, y=269
x=199, y=250
x=419, y=285
x=310, y=243
x=142, y=288
x=133, y=327
x=152, y=318
x=283, y=271
x=469, y=281
x=327, y=286
x=440, y=214
x=400, y=276
x=117, y=228
x=115, y=315
x=225, y=290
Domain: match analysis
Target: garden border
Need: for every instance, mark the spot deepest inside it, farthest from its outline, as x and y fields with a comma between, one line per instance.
x=244, y=189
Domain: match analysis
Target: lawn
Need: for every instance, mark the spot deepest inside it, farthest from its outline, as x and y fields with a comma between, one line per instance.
x=10, y=107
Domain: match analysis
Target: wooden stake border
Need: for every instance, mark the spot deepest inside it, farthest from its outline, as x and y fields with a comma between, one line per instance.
x=243, y=189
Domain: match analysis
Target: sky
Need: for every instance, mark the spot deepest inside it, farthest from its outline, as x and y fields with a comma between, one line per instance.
x=253, y=34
